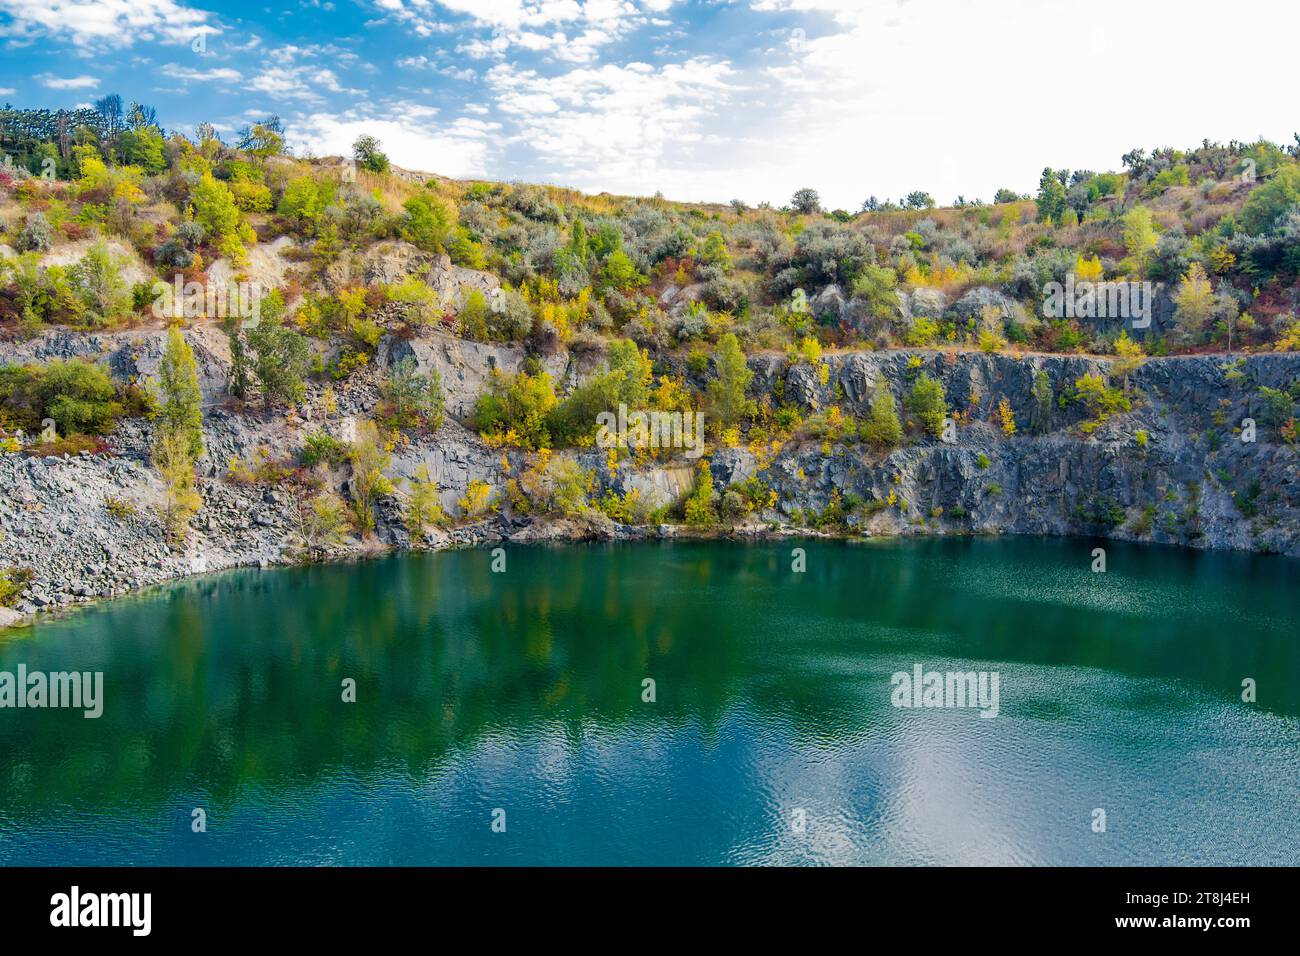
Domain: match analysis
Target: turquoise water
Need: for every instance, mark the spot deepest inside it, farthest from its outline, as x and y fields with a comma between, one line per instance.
x=771, y=738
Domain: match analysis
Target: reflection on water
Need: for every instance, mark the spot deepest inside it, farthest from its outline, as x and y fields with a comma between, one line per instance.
x=523, y=691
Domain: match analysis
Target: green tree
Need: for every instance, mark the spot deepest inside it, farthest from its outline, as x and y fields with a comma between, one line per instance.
x=181, y=405
x=635, y=369
x=474, y=316
x=415, y=397
x=424, y=503
x=368, y=155
x=882, y=427
x=369, y=460
x=1140, y=237
x=806, y=201
x=1044, y=400
x=1194, y=300
x=727, y=391
x=1051, y=196
x=99, y=287
x=171, y=456
x=215, y=208
x=701, y=511
x=144, y=148
x=926, y=401
x=281, y=361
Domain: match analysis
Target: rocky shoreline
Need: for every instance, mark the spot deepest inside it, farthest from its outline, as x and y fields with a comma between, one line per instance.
x=1173, y=470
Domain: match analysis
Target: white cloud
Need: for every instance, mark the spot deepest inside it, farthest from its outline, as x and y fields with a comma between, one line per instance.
x=297, y=82
x=219, y=74
x=631, y=128
x=67, y=82
x=459, y=149
x=884, y=97
x=113, y=23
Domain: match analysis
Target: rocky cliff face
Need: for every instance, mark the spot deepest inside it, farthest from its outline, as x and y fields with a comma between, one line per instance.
x=87, y=526
x=1194, y=480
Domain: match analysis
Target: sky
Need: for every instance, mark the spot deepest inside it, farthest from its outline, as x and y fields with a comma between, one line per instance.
x=709, y=100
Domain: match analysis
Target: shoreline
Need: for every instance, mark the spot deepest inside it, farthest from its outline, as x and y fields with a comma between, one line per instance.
x=562, y=532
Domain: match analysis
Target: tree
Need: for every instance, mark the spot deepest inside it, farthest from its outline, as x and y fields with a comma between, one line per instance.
x=171, y=456
x=281, y=361
x=918, y=199
x=1044, y=400
x=635, y=371
x=926, y=401
x=806, y=201
x=415, y=397
x=320, y=521
x=143, y=147
x=181, y=406
x=99, y=287
x=238, y=382
x=216, y=210
x=1140, y=237
x=368, y=155
x=369, y=458
x=473, y=316
x=727, y=391
x=882, y=427
x=1194, y=300
x=1051, y=196
x=424, y=503
x=263, y=139
x=1128, y=358
x=178, y=435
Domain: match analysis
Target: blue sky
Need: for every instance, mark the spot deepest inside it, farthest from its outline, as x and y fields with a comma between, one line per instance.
x=704, y=100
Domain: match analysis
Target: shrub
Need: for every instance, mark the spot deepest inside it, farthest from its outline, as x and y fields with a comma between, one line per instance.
x=423, y=505
x=322, y=447
x=78, y=395
x=517, y=409
x=13, y=581
x=477, y=499
x=700, y=510
x=427, y=222
x=1101, y=400
x=36, y=235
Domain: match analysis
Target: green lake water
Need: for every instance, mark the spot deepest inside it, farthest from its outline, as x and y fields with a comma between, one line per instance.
x=772, y=738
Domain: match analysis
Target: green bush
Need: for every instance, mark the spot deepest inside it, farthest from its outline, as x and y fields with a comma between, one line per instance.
x=78, y=395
